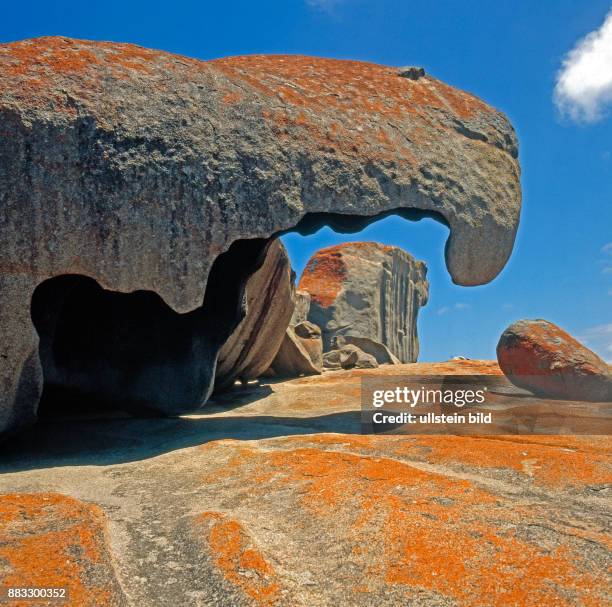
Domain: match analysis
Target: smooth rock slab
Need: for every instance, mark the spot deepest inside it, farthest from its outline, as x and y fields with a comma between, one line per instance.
x=300, y=353
x=265, y=493
x=302, y=307
x=379, y=351
x=543, y=358
x=349, y=356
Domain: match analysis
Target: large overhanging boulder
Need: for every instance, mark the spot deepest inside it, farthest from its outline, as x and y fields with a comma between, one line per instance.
x=147, y=171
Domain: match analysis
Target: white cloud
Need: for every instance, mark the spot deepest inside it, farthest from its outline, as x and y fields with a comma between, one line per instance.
x=458, y=306
x=584, y=82
x=599, y=339
x=607, y=248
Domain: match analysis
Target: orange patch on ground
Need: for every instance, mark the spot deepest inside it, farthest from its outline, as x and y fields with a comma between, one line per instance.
x=422, y=530
x=350, y=379
x=548, y=464
x=553, y=461
x=235, y=556
x=51, y=540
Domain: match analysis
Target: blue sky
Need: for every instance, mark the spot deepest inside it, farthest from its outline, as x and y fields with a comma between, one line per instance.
x=508, y=52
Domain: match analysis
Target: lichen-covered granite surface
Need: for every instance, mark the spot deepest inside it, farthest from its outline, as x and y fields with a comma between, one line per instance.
x=271, y=496
x=148, y=171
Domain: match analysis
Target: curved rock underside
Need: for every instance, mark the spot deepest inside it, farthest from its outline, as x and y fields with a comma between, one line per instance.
x=164, y=177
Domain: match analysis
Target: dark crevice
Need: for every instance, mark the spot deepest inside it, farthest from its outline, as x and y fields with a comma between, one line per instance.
x=104, y=350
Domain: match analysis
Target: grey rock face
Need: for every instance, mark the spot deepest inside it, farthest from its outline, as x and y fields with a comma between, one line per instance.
x=310, y=337
x=252, y=346
x=302, y=307
x=367, y=290
x=348, y=357
x=379, y=351
x=150, y=172
x=299, y=354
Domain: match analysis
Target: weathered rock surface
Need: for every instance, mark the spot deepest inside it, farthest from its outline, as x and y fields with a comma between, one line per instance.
x=302, y=307
x=252, y=346
x=348, y=356
x=543, y=358
x=310, y=338
x=299, y=354
x=48, y=540
x=155, y=173
x=278, y=499
x=379, y=351
x=370, y=290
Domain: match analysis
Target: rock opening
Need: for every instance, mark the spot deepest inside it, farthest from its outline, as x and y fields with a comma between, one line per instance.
x=105, y=350
x=108, y=350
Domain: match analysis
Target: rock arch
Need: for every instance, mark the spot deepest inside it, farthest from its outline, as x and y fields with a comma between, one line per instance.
x=142, y=169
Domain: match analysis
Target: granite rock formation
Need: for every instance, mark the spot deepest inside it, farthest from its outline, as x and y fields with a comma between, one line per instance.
x=197, y=515
x=302, y=307
x=300, y=353
x=348, y=356
x=543, y=358
x=310, y=337
x=162, y=179
x=252, y=346
x=51, y=540
x=379, y=351
x=369, y=290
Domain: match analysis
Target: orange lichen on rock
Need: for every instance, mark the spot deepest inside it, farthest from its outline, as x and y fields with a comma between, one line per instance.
x=236, y=556
x=68, y=56
x=326, y=270
x=368, y=101
x=547, y=464
x=319, y=83
x=411, y=528
x=323, y=276
x=350, y=107
x=49, y=540
x=543, y=358
x=554, y=461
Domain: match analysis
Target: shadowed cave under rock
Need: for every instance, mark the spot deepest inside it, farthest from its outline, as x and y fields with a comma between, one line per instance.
x=105, y=351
